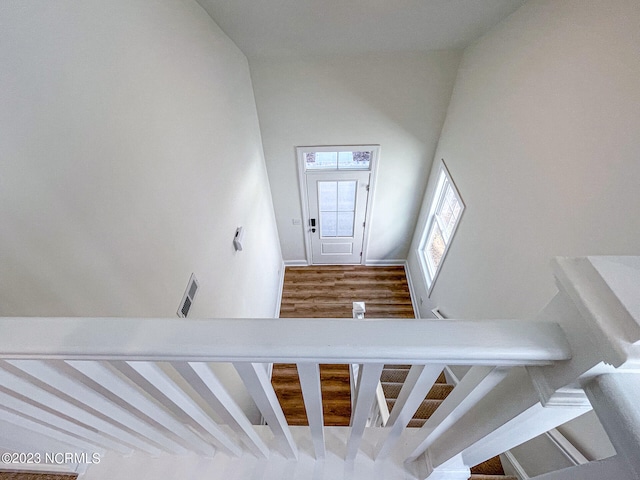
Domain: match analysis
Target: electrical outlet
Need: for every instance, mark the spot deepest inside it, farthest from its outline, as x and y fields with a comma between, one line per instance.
x=421, y=301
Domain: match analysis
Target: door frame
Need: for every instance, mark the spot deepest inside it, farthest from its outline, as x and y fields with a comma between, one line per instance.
x=304, y=194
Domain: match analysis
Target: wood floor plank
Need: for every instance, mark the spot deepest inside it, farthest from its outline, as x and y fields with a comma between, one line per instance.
x=329, y=291
x=24, y=475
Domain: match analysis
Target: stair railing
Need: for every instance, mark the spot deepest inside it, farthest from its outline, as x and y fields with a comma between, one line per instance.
x=166, y=386
x=152, y=381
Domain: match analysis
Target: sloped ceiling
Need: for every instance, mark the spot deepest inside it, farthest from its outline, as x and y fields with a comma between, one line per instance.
x=329, y=27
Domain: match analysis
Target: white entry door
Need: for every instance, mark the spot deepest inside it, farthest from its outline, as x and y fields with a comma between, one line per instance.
x=337, y=211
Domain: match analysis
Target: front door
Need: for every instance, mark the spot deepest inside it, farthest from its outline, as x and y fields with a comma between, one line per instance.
x=336, y=185
x=337, y=211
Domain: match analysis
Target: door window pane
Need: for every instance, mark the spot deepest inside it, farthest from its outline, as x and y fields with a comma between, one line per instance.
x=321, y=160
x=328, y=196
x=337, y=205
x=347, y=196
x=354, y=160
x=328, y=224
x=345, y=224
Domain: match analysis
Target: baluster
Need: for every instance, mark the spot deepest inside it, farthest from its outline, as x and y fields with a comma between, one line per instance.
x=130, y=395
x=206, y=383
x=365, y=396
x=309, y=374
x=153, y=374
x=255, y=378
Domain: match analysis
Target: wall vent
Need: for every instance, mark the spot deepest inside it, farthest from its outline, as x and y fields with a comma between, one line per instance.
x=189, y=295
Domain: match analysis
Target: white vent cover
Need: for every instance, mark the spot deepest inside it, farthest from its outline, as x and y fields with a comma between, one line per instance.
x=189, y=295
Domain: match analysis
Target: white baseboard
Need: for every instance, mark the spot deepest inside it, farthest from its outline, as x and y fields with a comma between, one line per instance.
x=296, y=263
x=566, y=447
x=386, y=263
x=276, y=314
x=512, y=466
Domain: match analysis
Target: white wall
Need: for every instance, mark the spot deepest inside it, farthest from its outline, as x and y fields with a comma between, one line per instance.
x=398, y=101
x=130, y=152
x=541, y=140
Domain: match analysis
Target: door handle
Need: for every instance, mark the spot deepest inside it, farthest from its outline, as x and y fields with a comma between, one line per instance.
x=312, y=223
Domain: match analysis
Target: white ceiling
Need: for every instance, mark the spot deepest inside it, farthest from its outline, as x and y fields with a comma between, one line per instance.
x=330, y=27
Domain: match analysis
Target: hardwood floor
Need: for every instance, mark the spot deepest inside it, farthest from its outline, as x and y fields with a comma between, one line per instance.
x=328, y=292
x=17, y=475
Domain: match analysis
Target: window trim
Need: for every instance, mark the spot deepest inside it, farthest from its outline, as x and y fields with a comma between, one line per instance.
x=437, y=199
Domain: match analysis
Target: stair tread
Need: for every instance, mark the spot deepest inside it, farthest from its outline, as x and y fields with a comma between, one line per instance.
x=424, y=411
x=416, y=423
x=391, y=374
x=439, y=391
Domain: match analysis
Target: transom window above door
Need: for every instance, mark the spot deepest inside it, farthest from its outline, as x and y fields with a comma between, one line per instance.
x=338, y=158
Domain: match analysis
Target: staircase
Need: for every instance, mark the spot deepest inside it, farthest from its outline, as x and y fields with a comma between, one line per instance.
x=392, y=380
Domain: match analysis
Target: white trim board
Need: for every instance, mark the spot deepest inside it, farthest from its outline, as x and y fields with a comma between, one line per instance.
x=512, y=466
x=276, y=314
x=566, y=447
x=373, y=182
x=393, y=262
x=412, y=292
x=296, y=263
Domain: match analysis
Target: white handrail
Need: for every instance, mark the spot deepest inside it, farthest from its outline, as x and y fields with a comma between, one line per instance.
x=500, y=342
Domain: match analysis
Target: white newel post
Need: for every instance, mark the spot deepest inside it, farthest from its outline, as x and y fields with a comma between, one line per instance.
x=598, y=308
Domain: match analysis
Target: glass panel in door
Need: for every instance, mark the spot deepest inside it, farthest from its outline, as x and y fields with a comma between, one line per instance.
x=337, y=205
